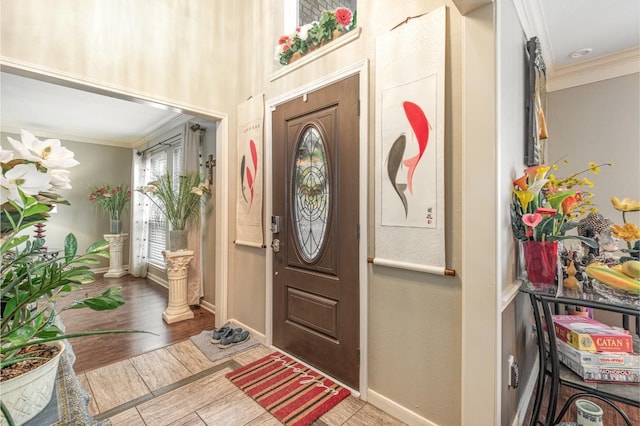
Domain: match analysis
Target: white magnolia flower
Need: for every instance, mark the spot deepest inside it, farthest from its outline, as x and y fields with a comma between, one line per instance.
x=27, y=178
x=50, y=153
x=60, y=178
x=6, y=155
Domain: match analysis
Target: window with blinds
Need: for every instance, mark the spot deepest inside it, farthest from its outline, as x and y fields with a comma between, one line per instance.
x=166, y=160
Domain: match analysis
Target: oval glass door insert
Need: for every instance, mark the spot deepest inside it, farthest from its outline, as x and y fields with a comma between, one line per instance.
x=310, y=194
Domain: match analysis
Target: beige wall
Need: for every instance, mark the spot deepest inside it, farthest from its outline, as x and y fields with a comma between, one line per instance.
x=599, y=122
x=81, y=218
x=211, y=55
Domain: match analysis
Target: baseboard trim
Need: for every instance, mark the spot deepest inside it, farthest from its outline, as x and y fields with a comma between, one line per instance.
x=260, y=337
x=208, y=306
x=158, y=280
x=396, y=410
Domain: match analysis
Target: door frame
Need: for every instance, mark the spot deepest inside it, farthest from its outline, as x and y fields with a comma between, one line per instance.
x=361, y=68
x=222, y=154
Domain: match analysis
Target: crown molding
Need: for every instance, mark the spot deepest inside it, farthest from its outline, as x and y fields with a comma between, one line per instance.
x=48, y=134
x=598, y=69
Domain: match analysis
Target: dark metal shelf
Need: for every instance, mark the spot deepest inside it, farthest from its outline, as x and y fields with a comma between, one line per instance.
x=542, y=301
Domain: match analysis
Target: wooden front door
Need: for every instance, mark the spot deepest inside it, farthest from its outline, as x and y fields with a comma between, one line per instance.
x=315, y=197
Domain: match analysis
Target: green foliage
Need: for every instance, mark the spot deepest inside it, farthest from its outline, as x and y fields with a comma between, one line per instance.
x=180, y=205
x=31, y=283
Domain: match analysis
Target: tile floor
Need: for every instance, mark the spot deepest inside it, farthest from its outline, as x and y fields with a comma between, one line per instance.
x=178, y=385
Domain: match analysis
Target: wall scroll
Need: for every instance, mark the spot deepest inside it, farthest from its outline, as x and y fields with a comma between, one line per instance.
x=410, y=65
x=249, y=228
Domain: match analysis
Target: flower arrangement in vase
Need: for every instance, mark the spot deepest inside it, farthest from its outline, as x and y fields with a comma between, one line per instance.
x=310, y=36
x=30, y=281
x=111, y=199
x=179, y=202
x=543, y=209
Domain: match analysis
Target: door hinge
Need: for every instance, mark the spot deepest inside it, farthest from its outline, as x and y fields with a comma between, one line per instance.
x=358, y=355
x=358, y=107
x=358, y=232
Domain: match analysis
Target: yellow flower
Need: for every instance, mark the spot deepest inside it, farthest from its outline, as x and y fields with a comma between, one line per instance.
x=628, y=231
x=587, y=182
x=594, y=168
x=525, y=198
x=626, y=204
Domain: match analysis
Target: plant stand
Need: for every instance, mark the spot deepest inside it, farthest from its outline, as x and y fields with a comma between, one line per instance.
x=177, y=272
x=116, y=243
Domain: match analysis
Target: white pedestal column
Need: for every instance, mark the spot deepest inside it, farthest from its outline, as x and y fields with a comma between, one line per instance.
x=177, y=272
x=116, y=243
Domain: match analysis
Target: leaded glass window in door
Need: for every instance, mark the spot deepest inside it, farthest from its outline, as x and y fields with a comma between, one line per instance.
x=310, y=194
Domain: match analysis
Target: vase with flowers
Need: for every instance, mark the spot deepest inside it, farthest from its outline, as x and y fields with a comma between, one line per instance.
x=30, y=332
x=543, y=209
x=111, y=199
x=179, y=202
x=308, y=37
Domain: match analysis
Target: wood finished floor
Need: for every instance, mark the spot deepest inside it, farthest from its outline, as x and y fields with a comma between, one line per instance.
x=142, y=379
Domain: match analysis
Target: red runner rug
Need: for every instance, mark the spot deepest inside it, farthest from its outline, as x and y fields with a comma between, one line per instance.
x=294, y=394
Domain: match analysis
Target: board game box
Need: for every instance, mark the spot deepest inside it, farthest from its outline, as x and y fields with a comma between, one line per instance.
x=588, y=334
x=602, y=374
x=606, y=359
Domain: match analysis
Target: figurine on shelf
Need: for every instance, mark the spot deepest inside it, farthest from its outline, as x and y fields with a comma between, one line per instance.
x=598, y=227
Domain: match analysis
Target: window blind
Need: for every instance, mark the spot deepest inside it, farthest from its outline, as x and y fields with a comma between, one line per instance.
x=166, y=158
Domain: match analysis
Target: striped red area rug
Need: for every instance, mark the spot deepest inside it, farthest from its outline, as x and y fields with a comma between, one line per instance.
x=294, y=394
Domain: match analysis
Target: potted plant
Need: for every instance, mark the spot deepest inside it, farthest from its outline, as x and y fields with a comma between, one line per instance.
x=179, y=202
x=111, y=199
x=32, y=279
x=308, y=37
x=543, y=209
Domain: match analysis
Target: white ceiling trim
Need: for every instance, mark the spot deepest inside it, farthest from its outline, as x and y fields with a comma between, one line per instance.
x=606, y=67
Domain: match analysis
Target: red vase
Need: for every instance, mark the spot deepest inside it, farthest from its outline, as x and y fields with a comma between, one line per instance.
x=541, y=262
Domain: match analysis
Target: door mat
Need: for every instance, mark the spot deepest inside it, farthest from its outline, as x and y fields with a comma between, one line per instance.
x=213, y=352
x=294, y=394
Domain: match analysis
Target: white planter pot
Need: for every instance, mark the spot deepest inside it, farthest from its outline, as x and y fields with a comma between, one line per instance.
x=26, y=395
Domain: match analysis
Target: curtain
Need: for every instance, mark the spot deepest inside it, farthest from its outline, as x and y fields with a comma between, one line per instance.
x=140, y=219
x=191, y=163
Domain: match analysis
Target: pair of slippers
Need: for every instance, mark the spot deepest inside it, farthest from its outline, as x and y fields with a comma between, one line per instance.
x=227, y=336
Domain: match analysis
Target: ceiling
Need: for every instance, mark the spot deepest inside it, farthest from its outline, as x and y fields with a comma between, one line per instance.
x=568, y=26
x=46, y=109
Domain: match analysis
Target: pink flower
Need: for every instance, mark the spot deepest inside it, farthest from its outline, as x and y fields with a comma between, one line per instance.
x=92, y=197
x=284, y=40
x=532, y=219
x=343, y=16
x=106, y=194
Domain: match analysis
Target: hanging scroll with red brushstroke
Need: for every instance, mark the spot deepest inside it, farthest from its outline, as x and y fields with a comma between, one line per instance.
x=409, y=231
x=249, y=227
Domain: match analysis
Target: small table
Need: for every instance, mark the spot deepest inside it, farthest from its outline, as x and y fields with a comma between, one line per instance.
x=542, y=302
x=116, y=244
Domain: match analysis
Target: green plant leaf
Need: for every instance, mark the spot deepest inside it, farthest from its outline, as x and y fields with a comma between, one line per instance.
x=98, y=247
x=36, y=209
x=110, y=299
x=88, y=260
x=13, y=242
x=70, y=247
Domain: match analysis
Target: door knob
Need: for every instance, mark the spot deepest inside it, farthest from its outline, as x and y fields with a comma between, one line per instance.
x=275, y=245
